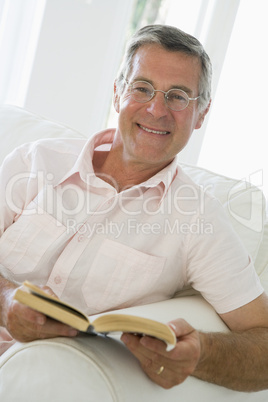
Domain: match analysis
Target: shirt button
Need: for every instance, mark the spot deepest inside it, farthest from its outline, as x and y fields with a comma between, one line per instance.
x=57, y=280
x=81, y=238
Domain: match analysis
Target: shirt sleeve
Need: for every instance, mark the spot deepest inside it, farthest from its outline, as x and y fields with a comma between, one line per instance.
x=15, y=173
x=218, y=264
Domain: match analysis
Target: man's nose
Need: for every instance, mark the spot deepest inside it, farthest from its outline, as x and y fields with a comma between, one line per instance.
x=157, y=105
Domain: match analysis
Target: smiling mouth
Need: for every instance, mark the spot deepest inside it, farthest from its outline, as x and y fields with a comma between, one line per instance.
x=153, y=131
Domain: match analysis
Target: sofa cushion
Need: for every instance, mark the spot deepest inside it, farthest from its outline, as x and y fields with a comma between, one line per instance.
x=19, y=126
x=243, y=203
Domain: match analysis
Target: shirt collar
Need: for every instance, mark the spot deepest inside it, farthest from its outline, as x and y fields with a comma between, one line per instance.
x=84, y=167
x=164, y=177
x=83, y=164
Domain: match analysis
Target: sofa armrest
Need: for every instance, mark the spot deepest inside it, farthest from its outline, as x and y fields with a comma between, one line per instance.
x=102, y=369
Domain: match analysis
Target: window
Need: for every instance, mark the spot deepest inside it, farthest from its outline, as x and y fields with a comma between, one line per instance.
x=19, y=31
x=235, y=142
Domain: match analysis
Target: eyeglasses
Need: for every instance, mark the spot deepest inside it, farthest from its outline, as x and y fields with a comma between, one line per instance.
x=176, y=99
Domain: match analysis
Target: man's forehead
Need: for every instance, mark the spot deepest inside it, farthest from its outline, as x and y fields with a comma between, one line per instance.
x=153, y=52
x=153, y=60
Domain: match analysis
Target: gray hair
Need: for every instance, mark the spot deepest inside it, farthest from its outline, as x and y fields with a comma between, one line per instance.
x=175, y=40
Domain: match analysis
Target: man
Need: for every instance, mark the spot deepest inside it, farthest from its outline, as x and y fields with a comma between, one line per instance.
x=95, y=223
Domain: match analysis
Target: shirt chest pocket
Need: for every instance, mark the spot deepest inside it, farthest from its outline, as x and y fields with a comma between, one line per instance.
x=120, y=276
x=24, y=243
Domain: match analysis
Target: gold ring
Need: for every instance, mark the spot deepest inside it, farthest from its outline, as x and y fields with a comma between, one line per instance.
x=160, y=370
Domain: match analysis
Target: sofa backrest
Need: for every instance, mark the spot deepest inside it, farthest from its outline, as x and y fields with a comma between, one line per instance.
x=18, y=126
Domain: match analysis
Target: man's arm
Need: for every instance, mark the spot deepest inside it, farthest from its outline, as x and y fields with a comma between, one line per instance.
x=237, y=360
x=23, y=323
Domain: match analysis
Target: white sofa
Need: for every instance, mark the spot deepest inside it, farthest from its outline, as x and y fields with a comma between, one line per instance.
x=102, y=369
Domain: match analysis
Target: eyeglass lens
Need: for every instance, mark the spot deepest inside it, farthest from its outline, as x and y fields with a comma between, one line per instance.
x=142, y=92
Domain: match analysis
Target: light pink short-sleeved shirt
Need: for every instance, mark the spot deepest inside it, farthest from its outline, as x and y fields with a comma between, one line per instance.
x=101, y=249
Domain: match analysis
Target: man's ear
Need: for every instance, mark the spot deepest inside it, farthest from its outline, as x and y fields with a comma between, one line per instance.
x=116, y=99
x=202, y=116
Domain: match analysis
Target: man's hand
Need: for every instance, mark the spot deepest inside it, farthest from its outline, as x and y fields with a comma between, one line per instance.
x=25, y=324
x=167, y=368
x=201, y=354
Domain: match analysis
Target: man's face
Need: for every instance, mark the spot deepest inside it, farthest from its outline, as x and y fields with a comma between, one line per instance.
x=150, y=133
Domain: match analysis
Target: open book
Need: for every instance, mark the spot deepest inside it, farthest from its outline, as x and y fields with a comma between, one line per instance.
x=34, y=297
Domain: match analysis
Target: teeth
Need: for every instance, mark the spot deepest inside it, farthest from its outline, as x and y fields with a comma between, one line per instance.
x=154, y=131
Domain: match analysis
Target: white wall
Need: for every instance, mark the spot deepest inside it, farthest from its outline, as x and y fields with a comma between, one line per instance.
x=77, y=58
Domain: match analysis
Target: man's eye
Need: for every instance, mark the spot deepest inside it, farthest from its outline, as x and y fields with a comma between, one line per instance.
x=177, y=97
x=142, y=90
